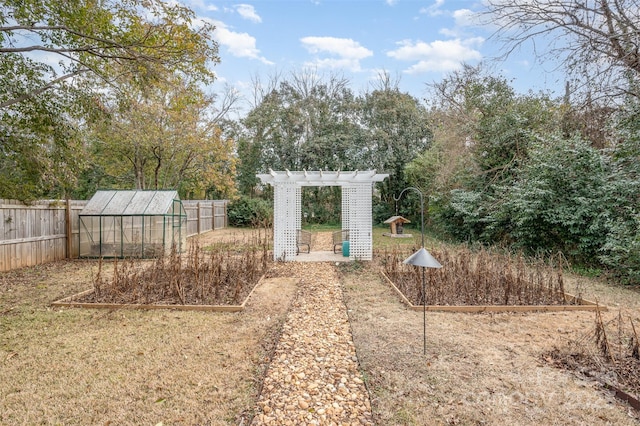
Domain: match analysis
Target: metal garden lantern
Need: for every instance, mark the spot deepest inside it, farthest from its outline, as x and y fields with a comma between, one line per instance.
x=423, y=259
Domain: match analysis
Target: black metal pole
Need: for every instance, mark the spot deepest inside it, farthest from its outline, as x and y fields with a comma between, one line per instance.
x=424, y=285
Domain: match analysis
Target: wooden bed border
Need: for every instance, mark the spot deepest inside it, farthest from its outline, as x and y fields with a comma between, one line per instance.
x=69, y=302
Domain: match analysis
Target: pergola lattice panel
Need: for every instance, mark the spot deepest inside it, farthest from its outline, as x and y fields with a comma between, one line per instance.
x=287, y=219
x=359, y=220
x=357, y=190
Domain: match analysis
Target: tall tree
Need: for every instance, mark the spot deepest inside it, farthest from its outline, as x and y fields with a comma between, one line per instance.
x=41, y=146
x=306, y=122
x=104, y=38
x=163, y=136
x=483, y=135
x=621, y=252
x=558, y=200
x=43, y=107
x=396, y=130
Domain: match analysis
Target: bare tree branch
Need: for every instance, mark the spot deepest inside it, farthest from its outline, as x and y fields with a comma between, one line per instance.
x=595, y=40
x=230, y=99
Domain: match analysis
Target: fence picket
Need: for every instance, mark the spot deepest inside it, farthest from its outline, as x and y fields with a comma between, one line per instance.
x=37, y=233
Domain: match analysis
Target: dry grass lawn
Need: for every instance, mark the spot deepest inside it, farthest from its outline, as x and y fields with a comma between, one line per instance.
x=76, y=366
x=127, y=367
x=479, y=369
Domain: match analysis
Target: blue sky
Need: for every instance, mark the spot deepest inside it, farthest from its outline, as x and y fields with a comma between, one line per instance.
x=415, y=41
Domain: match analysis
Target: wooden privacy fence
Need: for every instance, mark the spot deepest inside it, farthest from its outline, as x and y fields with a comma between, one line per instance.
x=204, y=216
x=47, y=230
x=37, y=233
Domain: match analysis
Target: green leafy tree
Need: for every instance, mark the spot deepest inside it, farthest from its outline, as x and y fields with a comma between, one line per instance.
x=43, y=108
x=41, y=145
x=483, y=132
x=395, y=130
x=558, y=202
x=250, y=212
x=161, y=137
x=312, y=123
x=304, y=123
x=497, y=125
x=621, y=251
x=105, y=39
x=249, y=156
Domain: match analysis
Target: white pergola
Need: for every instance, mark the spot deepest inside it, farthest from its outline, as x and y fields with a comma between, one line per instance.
x=357, y=190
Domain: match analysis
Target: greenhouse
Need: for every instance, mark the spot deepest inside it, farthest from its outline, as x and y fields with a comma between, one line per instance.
x=141, y=224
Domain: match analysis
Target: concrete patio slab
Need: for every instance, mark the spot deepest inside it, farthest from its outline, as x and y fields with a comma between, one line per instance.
x=321, y=256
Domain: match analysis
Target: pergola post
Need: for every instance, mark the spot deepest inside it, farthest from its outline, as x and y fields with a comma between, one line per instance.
x=287, y=219
x=359, y=220
x=346, y=204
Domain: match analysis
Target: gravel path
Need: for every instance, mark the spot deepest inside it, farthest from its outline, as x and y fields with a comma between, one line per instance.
x=314, y=378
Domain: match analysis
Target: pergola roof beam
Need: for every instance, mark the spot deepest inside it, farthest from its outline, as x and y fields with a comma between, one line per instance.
x=322, y=178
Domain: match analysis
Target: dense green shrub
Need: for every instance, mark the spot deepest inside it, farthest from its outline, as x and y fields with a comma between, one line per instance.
x=558, y=202
x=381, y=211
x=568, y=197
x=250, y=212
x=464, y=216
x=621, y=251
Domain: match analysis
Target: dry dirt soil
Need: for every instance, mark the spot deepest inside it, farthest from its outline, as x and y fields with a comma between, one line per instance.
x=125, y=367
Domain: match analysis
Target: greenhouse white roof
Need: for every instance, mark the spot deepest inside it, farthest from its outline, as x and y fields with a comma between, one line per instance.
x=321, y=178
x=130, y=203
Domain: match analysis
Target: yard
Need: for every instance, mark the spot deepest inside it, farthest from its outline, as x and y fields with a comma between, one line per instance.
x=128, y=367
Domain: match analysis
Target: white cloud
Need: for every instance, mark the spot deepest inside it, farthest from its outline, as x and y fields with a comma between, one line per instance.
x=347, y=53
x=439, y=55
x=463, y=20
x=464, y=17
x=241, y=45
x=339, y=46
x=448, y=32
x=198, y=4
x=334, y=63
x=391, y=2
x=248, y=12
x=434, y=9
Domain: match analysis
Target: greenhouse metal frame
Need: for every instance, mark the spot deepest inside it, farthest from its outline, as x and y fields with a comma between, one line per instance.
x=142, y=224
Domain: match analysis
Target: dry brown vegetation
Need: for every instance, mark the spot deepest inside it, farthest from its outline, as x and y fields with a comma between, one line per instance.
x=74, y=366
x=609, y=352
x=481, y=368
x=477, y=277
x=224, y=275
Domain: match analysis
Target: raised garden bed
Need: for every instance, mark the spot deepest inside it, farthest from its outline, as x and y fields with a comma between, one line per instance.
x=610, y=354
x=221, y=279
x=481, y=281
x=76, y=301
